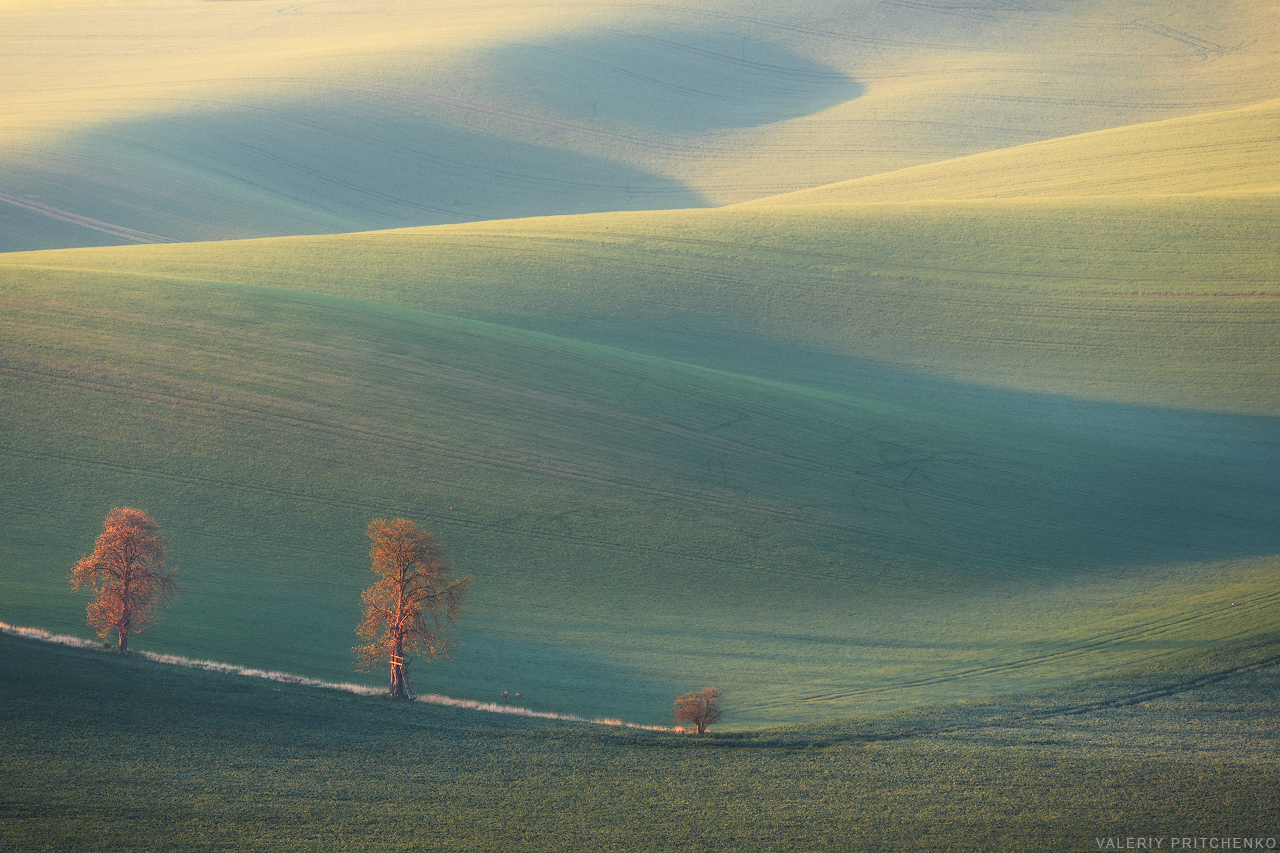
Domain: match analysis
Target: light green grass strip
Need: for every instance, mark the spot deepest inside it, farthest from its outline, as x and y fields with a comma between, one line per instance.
x=1232, y=152
x=1167, y=302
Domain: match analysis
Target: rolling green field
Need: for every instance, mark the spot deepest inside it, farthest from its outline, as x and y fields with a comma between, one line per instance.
x=148, y=757
x=818, y=531
x=908, y=370
x=1162, y=301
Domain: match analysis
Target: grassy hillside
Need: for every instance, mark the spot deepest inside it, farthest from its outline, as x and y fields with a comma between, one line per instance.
x=833, y=457
x=637, y=526
x=1168, y=302
x=155, y=758
x=1011, y=424
x=132, y=122
x=1221, y=153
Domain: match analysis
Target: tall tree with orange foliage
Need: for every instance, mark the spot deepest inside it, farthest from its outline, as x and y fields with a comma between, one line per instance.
x=702, y=708
x=406, y=610
x=126, y=573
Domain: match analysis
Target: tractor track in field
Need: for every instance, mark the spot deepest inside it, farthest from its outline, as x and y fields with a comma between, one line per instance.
x=894, y=471
x=1163, y=691
x=418, y=512
x=119, y=231
x=1019, y=710
x=551, y=401
x=287, y=423
x=1137, y=633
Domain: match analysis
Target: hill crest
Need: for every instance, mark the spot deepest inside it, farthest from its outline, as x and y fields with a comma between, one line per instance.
x=1228, y=152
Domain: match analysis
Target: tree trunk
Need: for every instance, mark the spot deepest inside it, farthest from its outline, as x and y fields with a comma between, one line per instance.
x=397, y=649
x=124, y=641
x=397, y=672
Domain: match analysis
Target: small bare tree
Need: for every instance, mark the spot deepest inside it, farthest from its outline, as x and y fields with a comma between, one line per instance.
x=702, y=708
x=406, y=610
x=126, y=573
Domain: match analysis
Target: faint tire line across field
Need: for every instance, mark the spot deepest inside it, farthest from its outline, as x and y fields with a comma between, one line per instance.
x=1143, y=630
x=370, y=506
x=308, y=425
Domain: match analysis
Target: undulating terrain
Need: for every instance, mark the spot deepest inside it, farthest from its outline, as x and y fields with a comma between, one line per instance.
x=197, y=120
x=147, y=757
x=860, y=359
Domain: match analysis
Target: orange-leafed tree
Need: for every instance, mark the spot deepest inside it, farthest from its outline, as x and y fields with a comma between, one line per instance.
x=126, y=573
x=413, y=600
x=701, y=707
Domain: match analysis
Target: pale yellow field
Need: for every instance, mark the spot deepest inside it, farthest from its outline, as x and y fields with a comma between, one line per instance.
x=1223, y=153
x=212, y=120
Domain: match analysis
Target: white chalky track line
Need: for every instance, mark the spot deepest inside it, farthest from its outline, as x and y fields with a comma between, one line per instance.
x=290, y=678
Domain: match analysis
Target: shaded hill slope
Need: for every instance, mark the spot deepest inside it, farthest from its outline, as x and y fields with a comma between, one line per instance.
x=1193, y=744
x=636, y=526
x=835, y=458
x=1164, y=302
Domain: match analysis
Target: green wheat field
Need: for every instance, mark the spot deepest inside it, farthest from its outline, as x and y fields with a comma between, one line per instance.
x=908, y=370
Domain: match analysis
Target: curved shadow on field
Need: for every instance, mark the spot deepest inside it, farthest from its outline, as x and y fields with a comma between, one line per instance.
x=1245, y=668
x=517, y=130
x=894, y=477
x=639, y=516
x=993, y=482
x=358, y=159
x=681, y=82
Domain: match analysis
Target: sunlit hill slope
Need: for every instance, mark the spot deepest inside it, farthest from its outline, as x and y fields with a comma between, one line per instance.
x=860, y=487
x=176, y=120
x=1232, y=152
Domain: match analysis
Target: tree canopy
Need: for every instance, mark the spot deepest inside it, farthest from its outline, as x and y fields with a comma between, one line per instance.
x=702, y=708
x=126, y=573
x=408, y=607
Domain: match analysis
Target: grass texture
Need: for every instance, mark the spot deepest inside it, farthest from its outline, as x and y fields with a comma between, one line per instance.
x=959, y=429
x=637, y=526
x=1222, y=153
x=1169, y=302
x=139, y=122
x=129, y=755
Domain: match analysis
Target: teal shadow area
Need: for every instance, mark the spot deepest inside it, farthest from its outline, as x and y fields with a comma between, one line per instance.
x=337, y=162
x=677, y=82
